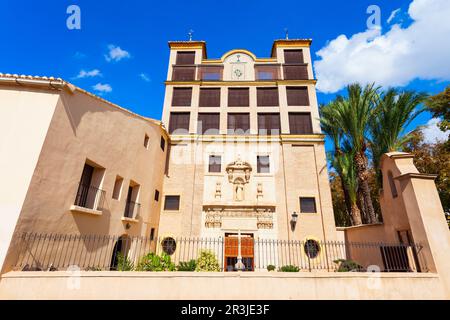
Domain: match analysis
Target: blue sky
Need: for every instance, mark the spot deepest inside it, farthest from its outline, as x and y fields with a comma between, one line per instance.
x=36, y=41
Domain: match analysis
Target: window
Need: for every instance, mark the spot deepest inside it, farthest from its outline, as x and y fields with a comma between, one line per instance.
x=263, y=164
x=208, y=123
x=181, y=97
x=185, y=57
x=215, y=163
x=265, y=72
x=267, y=97
x=308, y=205
x=156, y=195
x=172, y=203
x=297, y=96
x=268, y=123
x=300, y=123
x=163, y=143
x=295, y=72
x=392, y=185
x=179, y=122
x=169, y=245
x=183, y=73
x=210, y=73
x=117, y=188
x=89, y=195
x=238, y=97
x=146, y=141
x=312, y=248
x=293, y=56
x=132, y=207
x=152, y=234
x=209, y=97
x=238, y=123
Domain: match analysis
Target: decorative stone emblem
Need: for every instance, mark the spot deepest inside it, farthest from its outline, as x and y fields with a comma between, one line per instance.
x=259, y=191
x=239, y=175
x=213, y=217
x=218, y=193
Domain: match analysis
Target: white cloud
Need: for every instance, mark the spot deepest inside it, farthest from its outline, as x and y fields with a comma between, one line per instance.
x=144, y=77
x=432, y=133
x=102, y=88
x=88, y=74
x=116, y=53
x=395, y=58
x=393, y=14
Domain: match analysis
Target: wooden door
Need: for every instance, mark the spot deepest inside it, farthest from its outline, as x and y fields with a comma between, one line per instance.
x=232, y=251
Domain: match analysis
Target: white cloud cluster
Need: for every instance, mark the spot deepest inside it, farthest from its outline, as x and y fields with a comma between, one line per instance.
x=432, y=133
x=395, y=58
x=116, y=54
x=88, y=74
x=144, y=77
x=102, y=88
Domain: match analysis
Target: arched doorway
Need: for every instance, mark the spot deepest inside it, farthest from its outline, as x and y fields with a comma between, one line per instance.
x=122, y=246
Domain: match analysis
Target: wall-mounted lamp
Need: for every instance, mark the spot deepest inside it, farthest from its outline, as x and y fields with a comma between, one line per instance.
x=294, y=217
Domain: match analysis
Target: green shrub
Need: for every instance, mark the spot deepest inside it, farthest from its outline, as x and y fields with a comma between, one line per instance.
x=347, y=265
x=207, y=261
x=187, y=266
x=153, y=262
x=289, y=268
x=270, y=267
x=123, y=263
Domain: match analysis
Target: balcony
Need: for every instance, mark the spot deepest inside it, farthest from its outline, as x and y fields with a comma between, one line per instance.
x=89, y=199
x=132, y=210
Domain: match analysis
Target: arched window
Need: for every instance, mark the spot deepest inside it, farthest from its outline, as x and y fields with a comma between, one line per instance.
x=392, y=185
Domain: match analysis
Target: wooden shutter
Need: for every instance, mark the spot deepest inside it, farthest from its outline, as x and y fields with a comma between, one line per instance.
x=179, y=121
x=215, y=163
x=300, y=123
x=263, y=164
x=269, y=123
x=172, y=203
x=185, y=57
x=238, y=123
x=267, y=97
x=183, y=73
x=295, y=72
x=209, y=97
x=238, y=97
x=208, y=123
x=181, y=97
x=297, y=96
x=293, y=56
x=308, y=205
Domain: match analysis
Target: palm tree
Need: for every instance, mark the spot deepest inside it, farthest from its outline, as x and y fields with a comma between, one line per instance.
x=353, y=115
x=394, y=111
x=342, y=161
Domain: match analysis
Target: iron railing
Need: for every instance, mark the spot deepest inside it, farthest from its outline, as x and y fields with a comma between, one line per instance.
x=132, y=209
x=39, y=252
x=90, y=197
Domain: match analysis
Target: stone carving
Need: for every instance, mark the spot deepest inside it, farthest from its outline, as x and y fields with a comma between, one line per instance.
x=213, y=218
x=239, y=191
x=239, y=175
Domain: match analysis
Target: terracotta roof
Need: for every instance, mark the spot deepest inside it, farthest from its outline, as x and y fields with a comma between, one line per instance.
x=187, y=44
x=276, y=42
x=58, y=84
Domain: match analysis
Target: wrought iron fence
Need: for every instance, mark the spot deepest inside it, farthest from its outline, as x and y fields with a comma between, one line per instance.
x=47, y=252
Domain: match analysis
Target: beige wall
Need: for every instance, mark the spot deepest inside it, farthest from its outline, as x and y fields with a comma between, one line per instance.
x=198, y=285
x=85, y=128
x=24, y=120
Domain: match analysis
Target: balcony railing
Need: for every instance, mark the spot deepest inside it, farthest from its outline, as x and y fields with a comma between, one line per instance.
x=132, y=209
x=90, y=197
x=35, y=251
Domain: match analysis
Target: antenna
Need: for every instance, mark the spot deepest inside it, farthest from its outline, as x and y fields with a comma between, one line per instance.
x=190, y=33
x=286, y=31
